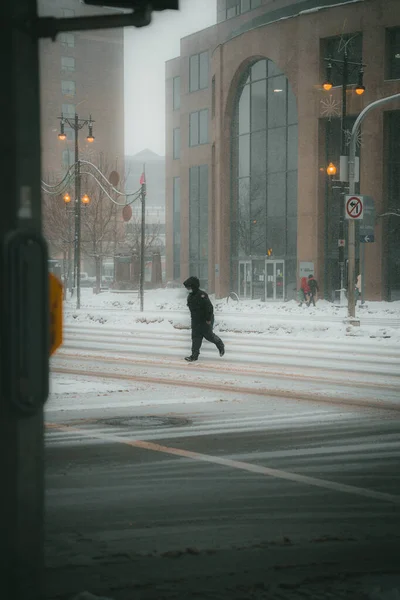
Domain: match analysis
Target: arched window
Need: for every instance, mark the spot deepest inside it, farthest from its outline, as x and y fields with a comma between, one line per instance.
x=264, y=168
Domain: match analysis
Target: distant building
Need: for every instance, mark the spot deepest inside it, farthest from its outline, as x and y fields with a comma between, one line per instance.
x=250, y=132
x=154, y=166
x=155, y=175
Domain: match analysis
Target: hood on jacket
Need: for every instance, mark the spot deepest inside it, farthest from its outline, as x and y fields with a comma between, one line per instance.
x=192, y=283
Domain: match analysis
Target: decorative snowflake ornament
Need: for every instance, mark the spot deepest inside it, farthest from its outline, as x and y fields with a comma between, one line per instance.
x=330, y=107
x=347, y=134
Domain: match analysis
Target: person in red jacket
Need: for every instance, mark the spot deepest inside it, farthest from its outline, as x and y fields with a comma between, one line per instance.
x=304, y=291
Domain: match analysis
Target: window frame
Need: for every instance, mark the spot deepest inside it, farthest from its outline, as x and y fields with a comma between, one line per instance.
x=195, y=60
x=176, y=143
x=64, y=37
x=68, y=93
x=176, y=94
x=68, y=69
x=390, y=62
x=197, y=116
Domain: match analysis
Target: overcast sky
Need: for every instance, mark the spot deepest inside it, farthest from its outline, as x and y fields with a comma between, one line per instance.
x=146, y=51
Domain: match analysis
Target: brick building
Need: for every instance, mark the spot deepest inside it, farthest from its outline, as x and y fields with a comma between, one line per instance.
x=81, y=72
x=250, y=132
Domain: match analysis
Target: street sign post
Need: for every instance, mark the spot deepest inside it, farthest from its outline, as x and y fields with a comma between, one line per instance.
x=55, y=305
x=354, y=207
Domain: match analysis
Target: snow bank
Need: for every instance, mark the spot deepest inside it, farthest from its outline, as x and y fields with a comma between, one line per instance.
x=166, y=311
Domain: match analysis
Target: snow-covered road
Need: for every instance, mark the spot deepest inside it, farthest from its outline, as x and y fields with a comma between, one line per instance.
x=355, y=371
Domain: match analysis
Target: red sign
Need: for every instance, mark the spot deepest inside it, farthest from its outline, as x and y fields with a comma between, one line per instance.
x=127, y=213
x=354, y=207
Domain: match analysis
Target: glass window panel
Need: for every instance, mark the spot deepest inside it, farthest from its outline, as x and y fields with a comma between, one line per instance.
x=194, y=129
x=255, y=3
x=277, y=149
x=194, y=73
x=258, y=215
x=258, y=105
x=68, y=88
x=68, y=109
x=394, y=53
x=67, y=63
x=231, y=12
x=176, y=219
x=276, y=194
x=67, y=40
x=276, y=235
x=259, y=70
x=244, y=6
x=291, y=236
x=69, y=132
x=203, y=183
x=258, y=159
x=176, y=92
x=203, y=135
x=243, y=221
x=244, y=155
x=277, y=101
x=177, y=143
x=334, y=48
x=292, y=105
x=244, y=110
x=292, y=148
x=273, y=69
x=291, y=193
x=194, y=213
x=67, y=158
x=203, y=79
x=213, y=97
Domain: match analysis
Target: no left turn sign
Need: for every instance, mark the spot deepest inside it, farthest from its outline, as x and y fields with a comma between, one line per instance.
x=354, y=207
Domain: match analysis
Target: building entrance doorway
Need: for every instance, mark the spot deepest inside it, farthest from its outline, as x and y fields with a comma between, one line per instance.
x=262, y=279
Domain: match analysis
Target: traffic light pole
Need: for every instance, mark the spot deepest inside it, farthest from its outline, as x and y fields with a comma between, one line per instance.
x=351, y=307
x=343, y=152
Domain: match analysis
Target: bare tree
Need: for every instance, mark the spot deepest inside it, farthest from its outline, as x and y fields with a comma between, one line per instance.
x=58, y=230
x=152, y=241
x=101, y=223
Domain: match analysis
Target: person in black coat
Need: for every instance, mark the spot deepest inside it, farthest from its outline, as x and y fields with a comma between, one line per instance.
x=313, y=285
x=202, y=318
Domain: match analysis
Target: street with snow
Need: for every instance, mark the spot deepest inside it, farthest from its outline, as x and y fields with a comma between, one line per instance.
x=269, y=473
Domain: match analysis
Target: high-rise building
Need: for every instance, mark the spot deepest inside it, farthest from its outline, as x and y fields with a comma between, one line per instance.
x=250, y=207
x=81, y=72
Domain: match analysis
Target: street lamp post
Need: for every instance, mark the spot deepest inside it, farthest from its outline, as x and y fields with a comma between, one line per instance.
x=76, y=124
x=67, y=200
x=345, y=67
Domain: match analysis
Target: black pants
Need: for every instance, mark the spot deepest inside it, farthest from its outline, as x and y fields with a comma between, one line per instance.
x=204, y=331
x=311, y=299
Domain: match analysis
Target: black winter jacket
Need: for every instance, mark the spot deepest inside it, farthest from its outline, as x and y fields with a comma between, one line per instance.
x=199, y=304
x=313, y=285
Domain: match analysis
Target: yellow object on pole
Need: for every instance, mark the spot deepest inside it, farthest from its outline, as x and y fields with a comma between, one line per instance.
x=56, y=314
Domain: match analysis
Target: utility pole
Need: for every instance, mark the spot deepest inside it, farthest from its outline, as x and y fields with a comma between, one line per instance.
x=142, y=236
x=345, y=67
